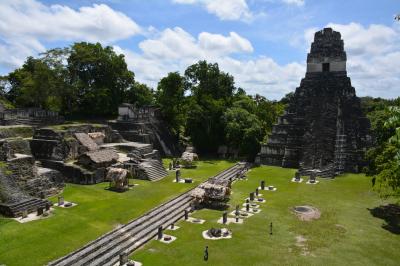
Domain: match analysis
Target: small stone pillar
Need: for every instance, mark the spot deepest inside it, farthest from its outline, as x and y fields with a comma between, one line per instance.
x=297, y=176
x=60, y=200
x=313, y=178
x=247, y=207
x=270, y=228
x=172, y=226
x=123, y=258
x=40, y=211
x=177, y=175
x=262, y=185
x=186, y=214
x=257, y=192
x=251, y=196
x=48, y=206
x=160, y=232
x=24, y=213
x=237, y=212
x=247, y=201
x=224, y=217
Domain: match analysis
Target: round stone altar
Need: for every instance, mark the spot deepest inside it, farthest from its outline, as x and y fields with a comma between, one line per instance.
x=307, y=213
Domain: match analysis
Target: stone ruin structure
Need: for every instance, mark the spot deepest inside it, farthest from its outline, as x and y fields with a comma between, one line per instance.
x=213, y=194
x=145, y=125
x=32, y=169
x=189, y=158
x=83, y=153
x=24, y=184
x=28, y=116
x=323, y=127
x=118, y=178
x=35, y=167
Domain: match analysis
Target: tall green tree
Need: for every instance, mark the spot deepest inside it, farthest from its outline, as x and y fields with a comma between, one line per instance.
x=34, y=85
x=170, y=98
x=243, y=131
x=140, y=94
x=99, y=78
x=384, y=157
x=211, y=93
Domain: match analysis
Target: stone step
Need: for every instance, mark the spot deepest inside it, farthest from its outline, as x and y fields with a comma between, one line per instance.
x=122, y=241
x=30, y=205
x=72, y=257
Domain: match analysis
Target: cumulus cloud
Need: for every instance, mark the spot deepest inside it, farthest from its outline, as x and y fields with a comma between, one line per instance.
x=223, y=9
x=26, y=24
x=175, y=49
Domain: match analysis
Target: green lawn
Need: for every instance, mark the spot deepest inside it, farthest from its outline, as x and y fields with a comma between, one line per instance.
x=346, y=233
x=98, y=211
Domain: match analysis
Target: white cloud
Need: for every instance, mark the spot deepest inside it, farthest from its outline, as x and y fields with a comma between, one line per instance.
x=216, y=43
x=294, y=2
x=223, y=9
x=175, y=49
x=26, y=24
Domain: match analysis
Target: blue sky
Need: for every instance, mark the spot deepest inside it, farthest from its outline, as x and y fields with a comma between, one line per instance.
x=262, y=43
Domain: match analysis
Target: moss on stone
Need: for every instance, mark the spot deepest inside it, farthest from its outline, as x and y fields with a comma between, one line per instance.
x=16, y=131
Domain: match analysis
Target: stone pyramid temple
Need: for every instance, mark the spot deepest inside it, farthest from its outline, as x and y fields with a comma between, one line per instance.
x=323, y=128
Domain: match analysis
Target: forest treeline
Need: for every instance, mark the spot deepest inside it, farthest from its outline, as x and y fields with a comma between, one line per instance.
x=203, y=105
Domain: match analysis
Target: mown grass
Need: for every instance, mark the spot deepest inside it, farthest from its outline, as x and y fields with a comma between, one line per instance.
x=346, y=233
x=99, y=211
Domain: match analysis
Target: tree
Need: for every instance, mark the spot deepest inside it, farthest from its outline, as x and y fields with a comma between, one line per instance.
x=211, y=93
x=99, y=78
x=140, y=94
x=243, y=131
x=171, y=99
x=34, y=85
x=384, y=157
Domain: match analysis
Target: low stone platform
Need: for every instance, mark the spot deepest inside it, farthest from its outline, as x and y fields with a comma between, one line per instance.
x=224, y=231
x=195, y=220
x=297, y=181
x=65, y=205
x=33, y=217
x=167, y=239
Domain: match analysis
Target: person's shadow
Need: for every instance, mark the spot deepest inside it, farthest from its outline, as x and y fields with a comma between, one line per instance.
x=391, y=214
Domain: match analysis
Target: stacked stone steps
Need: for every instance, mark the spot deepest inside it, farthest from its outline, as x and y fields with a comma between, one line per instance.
x=326, y=172
x=156, y=171
x=150, y=155
x=144, y=233
x=34, y=121
x=231, y=172
x=103, y=240
x=126, y=239
x=30, y=205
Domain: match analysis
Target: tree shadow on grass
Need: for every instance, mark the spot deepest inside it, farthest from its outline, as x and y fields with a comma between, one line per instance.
x=391, y=214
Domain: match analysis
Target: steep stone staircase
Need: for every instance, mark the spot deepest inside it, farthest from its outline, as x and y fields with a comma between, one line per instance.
x=152, y=170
